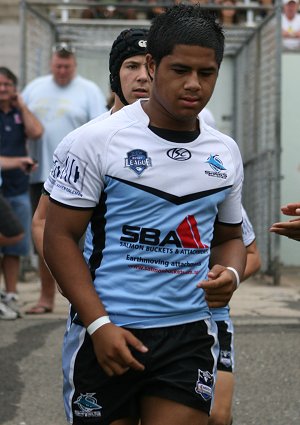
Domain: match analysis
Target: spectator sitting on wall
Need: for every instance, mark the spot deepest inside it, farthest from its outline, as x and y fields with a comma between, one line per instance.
x=109, y=12
x=229, y=17
x=290, y=24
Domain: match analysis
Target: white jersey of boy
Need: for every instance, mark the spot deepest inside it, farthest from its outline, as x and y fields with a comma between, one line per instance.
x=154, y=233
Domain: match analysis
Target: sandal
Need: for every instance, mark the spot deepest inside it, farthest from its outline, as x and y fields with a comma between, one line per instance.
x=39, y=309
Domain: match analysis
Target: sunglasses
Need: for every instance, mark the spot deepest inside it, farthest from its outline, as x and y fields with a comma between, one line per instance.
x=63, y=47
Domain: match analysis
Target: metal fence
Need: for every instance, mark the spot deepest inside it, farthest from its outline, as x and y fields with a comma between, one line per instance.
x=254, y=48
x=257, y=129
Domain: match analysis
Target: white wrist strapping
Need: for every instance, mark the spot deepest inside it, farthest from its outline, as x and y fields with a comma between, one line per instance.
x=237, y=277
x=96, y=324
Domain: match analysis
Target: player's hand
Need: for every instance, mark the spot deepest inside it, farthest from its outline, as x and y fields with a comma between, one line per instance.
x=219, y=287
x=111, y=345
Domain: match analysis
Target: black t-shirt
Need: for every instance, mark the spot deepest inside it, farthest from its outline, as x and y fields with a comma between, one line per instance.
x=13, y=143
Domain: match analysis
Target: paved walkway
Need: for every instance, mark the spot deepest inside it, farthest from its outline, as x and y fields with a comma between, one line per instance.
x=256, y=300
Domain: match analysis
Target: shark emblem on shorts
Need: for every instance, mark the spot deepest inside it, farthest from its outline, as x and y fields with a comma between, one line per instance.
x=88, y=406
x=204, y=384
x=225, y=358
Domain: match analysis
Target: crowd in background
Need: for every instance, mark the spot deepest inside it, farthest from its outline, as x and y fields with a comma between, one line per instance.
x=151, y=8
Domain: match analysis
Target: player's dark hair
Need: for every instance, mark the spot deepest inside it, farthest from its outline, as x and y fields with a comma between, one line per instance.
x=9, y=74
x=185, y=24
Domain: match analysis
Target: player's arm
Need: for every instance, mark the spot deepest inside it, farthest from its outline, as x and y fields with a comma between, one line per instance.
x=63, y=229
x=38, y=223
x=253, y=262
x=228, y=250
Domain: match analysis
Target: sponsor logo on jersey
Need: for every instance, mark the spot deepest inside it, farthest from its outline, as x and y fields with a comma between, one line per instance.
x=138, y=161
x=186, y=235
x=217, y=166
x=71, y=176
x=204, y=384
x=88, y=406
x=225, y=358
x=179, y=154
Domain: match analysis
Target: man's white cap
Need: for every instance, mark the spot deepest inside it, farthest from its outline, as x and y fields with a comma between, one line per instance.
x=289, y=1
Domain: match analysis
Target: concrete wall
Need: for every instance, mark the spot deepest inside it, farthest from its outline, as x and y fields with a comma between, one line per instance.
x=10, y=35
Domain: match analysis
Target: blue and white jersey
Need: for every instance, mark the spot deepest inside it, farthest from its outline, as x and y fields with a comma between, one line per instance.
x=247, y=229
x=222, y=313
x=155, y=203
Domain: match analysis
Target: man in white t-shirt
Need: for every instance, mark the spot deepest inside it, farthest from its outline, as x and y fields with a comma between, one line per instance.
x=290, y=23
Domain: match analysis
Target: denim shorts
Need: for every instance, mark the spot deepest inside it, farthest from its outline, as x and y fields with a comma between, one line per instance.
x=21, y=207
x=9, y=223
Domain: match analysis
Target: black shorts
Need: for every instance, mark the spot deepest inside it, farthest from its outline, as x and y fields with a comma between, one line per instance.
x=179, y=366
x=9, y=223
x=226, y=355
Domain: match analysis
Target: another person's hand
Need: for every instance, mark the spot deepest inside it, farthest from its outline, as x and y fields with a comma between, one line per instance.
x=111, y=345
x=291, y=209
x=17, y=101
x=291, y=228
x=27, y=164
x=219, y=287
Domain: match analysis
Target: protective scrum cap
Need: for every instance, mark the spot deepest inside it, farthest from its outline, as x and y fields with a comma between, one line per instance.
x=130, y=42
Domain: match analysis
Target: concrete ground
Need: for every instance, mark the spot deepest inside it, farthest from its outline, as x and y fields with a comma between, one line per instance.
x=267, y=324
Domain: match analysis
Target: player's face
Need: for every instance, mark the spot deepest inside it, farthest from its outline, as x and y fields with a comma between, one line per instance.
x=182, y=85
x=7, y=89
x=134, y=78
x=63, y=69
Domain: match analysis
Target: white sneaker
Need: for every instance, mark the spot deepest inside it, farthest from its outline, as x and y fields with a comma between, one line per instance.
x=6, y=313
x=11, y=301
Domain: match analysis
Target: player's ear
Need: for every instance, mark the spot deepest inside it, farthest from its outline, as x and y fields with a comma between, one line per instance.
x=150, y=65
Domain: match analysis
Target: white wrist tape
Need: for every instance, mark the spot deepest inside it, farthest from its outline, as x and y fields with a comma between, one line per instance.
x=96, y=324
x=237, y=277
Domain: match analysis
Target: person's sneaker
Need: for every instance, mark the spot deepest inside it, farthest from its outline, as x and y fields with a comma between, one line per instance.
x=6, y=313
x=11, y=301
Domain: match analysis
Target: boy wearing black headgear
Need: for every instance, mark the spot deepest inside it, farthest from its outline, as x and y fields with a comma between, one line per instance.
x=128, y=77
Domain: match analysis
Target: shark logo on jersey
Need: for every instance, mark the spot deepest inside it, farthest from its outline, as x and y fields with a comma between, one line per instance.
x=225, y=358
x=88, y=406
x=204, y=384
x=138, y=161
x=216, y=164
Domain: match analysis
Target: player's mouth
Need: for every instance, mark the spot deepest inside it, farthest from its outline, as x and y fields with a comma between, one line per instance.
x=140, y=92
x=190, y=101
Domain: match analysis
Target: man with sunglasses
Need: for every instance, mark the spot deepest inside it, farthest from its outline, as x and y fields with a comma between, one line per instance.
x=62, y=101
